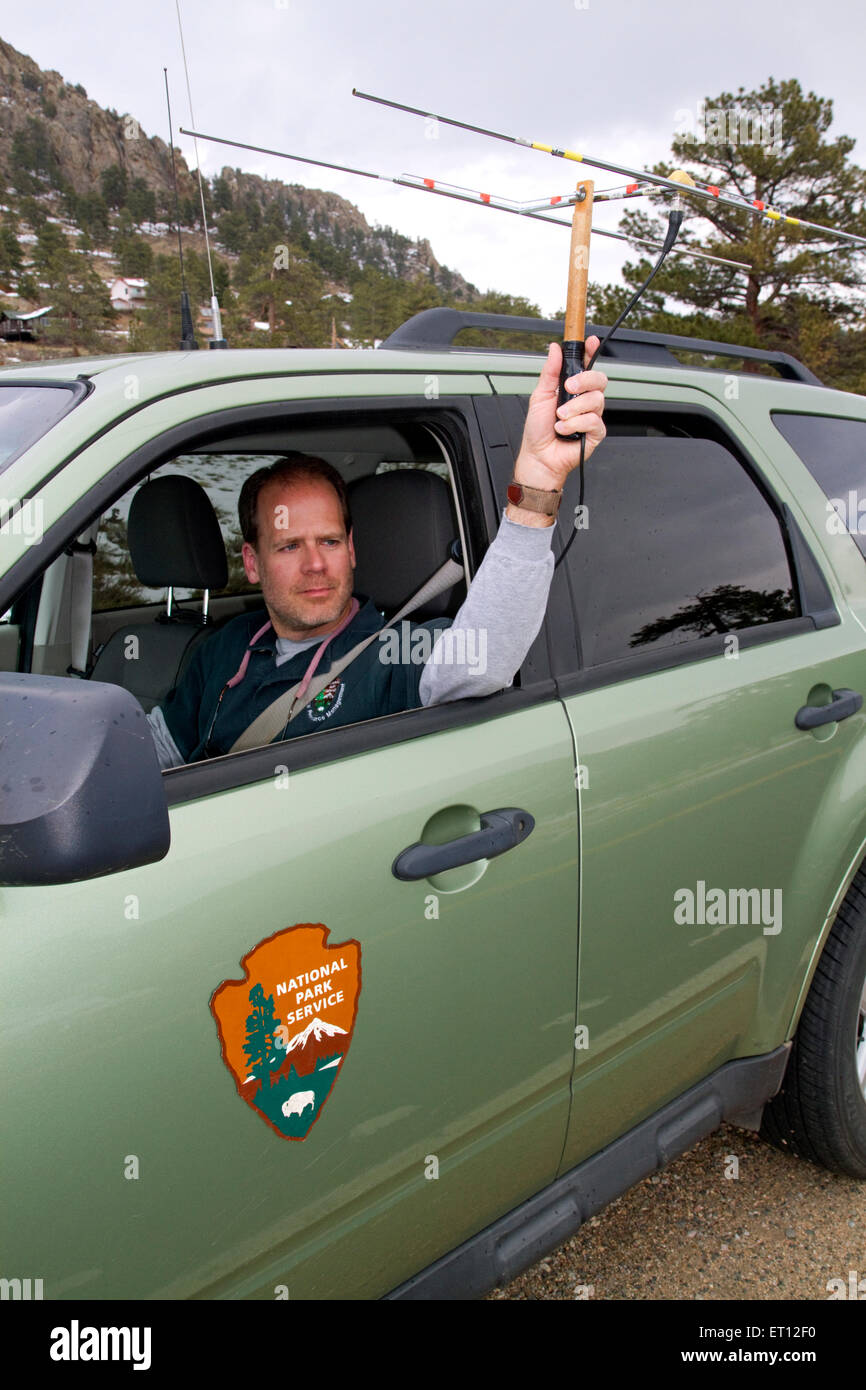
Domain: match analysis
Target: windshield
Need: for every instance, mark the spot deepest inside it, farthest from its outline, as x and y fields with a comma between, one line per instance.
x=28, y=412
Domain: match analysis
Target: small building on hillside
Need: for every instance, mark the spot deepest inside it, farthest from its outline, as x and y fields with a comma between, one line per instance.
x=127, y=292
x=23, y=328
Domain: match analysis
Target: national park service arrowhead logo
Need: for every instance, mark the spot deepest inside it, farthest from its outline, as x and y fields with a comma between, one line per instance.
x=286, y=1027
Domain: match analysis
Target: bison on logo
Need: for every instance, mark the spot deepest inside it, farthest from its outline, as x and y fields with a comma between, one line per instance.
x=286, y=1027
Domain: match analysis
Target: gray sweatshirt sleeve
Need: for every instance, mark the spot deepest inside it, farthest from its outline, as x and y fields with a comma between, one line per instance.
x=487, y=642
x=166, y=749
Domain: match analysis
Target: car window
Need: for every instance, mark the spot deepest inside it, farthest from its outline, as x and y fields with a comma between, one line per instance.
x=222, y=475
x=676, y=542
x=129, y=642
x=834, y=451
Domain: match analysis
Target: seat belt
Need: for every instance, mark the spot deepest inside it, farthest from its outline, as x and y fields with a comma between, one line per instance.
x=288, y=706
x=81, y=553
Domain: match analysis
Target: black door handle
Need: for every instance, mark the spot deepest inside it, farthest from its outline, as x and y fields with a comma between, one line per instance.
x=843, y=704
x=500, y=831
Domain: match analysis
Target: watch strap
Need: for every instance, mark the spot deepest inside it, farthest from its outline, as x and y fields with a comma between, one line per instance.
x=534, y=499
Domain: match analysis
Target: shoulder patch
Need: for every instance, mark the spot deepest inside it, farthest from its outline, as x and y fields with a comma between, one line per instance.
x=327, y=702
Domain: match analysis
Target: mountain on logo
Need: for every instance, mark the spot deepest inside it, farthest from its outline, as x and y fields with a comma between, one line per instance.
x=318, y=1029
x=312, y=1046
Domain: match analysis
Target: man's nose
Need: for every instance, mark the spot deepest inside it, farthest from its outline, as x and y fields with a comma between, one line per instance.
x=313, y=558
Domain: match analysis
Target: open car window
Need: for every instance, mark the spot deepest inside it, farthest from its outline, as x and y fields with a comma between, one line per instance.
x=127, y=606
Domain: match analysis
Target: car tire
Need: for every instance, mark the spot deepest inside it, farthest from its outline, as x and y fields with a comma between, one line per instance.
x=820, y=1111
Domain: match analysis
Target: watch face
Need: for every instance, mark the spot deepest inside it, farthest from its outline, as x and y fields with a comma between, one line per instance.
x=515, y=494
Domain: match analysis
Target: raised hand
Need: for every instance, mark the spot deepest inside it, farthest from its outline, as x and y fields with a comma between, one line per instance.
x=550, y=448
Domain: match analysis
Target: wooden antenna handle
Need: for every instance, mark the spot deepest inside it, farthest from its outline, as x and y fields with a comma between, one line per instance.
x=578, y=276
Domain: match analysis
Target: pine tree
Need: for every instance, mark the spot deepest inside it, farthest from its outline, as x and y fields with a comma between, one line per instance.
x=114, y=184
x=277, y=284
x=90, y=211
x=11, y=258
x=70, y=284
x=134, y=256
x=262, y=1024
x=141, y=202
x=803, y=288
x=221, y=194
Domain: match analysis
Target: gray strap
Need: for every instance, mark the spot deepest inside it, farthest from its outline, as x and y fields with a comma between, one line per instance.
x=81, y=599
x=283, y=710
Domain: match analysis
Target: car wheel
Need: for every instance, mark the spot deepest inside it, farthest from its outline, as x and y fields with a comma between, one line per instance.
x=820, y=1112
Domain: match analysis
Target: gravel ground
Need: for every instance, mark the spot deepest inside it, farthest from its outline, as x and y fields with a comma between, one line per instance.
x=781, y=1229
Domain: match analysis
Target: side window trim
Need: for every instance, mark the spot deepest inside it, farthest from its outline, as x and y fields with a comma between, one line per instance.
x=816, y=600
x=683, y=654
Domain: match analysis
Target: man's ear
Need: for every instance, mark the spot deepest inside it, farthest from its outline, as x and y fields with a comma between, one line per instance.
x=352, y=549
x=251, y=565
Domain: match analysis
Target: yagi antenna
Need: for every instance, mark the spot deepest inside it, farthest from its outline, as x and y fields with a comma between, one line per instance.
x=529, y=209
x=217, y=339
x=708, y=190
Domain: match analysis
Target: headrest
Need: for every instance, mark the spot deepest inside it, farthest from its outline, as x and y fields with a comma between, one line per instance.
x=174, y=536
x=403, y=526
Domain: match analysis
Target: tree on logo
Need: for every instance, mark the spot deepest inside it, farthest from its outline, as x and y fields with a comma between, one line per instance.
x=262, y=1024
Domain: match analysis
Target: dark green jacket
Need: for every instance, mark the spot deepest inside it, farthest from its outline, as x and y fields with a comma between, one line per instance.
x=205, y=717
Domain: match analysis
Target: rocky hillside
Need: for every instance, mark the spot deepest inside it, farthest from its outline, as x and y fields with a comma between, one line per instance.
x=74, y=141
x=69, y=141
x=87, y=205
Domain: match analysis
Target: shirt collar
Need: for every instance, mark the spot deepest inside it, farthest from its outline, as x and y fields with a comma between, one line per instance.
x=368, y=619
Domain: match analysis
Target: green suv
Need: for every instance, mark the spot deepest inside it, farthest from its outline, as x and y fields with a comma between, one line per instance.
x=553, y=935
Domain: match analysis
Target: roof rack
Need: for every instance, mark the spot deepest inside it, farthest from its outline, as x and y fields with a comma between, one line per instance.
x=437, y=328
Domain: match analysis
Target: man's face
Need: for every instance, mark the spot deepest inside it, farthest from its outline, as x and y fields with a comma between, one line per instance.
x=304, y=560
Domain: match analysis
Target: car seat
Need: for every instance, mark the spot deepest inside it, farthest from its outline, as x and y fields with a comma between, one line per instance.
x=174, y=541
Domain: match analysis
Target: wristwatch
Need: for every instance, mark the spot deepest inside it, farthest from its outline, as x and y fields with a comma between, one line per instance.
x=534, y=499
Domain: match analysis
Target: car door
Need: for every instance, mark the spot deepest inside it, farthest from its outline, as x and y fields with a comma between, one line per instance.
x=139, y=1167
x=712, y=827
x=691, y=623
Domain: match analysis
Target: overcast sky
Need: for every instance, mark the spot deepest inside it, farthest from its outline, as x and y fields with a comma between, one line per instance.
x=607, y=77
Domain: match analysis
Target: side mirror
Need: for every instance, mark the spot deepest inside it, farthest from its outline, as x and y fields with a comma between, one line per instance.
x=81, y=791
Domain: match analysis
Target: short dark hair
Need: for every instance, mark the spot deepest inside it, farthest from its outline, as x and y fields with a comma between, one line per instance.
x=289, y=469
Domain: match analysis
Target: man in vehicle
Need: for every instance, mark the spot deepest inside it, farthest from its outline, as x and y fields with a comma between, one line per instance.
x=298, y=546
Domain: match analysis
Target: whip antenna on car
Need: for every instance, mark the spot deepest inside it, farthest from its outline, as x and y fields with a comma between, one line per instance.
x=217, y=339
x=187, y=332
